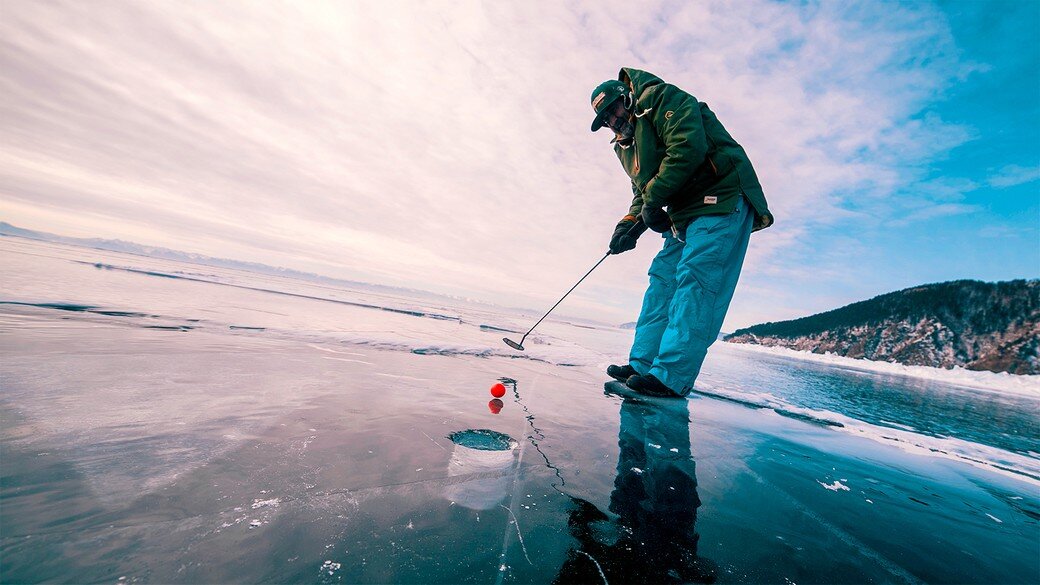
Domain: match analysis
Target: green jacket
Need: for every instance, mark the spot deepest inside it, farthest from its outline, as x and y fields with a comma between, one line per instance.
x=682, y=158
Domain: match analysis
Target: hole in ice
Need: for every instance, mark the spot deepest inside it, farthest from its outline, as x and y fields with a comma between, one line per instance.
x=483, y=440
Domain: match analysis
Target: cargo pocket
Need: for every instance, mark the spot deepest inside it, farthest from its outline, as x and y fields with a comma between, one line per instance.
x=662, y=269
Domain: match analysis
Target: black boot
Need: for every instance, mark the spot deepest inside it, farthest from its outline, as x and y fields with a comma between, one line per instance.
x=650, y=386
x=621, y=373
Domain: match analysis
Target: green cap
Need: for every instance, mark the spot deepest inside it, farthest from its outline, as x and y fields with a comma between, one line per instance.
x=603, y=96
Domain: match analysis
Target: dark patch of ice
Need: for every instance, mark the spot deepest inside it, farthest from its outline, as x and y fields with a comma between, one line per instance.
x=746, y=403
x=57, y=306
x=807, y=418
x=195, y=278
x=170, y=327
x=493, y=328
x=79, y=309
x=122, y=314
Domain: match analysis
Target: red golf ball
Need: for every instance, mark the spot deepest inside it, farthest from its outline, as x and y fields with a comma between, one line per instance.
x=498, y=390
x=495, y=406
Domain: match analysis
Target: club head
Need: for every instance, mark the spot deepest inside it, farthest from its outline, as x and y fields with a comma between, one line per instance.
x=513, y=344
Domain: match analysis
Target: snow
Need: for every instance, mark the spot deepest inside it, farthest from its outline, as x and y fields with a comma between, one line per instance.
x=1001, y=382
x=1018, y=466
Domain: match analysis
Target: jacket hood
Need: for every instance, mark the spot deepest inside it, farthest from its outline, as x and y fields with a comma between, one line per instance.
x=638, y=80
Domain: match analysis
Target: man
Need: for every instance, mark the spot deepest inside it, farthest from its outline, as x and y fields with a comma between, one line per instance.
x=693, y=183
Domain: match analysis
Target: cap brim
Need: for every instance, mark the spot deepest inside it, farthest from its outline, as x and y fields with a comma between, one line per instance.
x=598, y=122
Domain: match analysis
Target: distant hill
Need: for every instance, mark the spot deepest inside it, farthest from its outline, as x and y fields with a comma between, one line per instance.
x=977, y=325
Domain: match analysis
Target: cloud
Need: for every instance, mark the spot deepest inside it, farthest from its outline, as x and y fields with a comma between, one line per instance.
x=934, y=211
x=444, y=145
x=1007, y=232
x=1013, y=175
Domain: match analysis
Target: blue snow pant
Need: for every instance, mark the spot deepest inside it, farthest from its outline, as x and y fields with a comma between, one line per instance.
x=691, y=285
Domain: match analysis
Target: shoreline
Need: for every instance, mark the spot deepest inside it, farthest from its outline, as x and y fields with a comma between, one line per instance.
x=996, y=382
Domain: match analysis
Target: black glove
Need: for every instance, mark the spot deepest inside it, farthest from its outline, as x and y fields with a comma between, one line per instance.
x=656, y=219
x=625, y=235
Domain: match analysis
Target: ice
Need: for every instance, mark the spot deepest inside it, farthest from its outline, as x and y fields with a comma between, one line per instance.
x=154, y=453
x=330, y=568
x=272, y=503
x=348, y=360
x=995, y=459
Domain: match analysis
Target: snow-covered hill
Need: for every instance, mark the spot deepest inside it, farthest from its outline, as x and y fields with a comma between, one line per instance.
x=967, y=323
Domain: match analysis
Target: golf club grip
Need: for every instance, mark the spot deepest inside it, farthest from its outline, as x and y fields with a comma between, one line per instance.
x=634, y=231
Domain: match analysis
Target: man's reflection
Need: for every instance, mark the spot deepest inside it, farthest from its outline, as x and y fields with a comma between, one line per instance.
x=652, y=538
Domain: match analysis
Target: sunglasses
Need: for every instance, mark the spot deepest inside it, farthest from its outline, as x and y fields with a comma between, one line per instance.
x=616, y=117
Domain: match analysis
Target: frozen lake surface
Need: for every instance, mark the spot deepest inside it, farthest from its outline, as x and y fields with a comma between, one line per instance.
x=172, y=422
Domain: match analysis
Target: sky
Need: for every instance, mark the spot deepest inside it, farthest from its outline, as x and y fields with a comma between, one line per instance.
x=445, y=146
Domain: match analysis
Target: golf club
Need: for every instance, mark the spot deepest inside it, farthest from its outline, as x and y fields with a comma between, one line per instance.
x=520, y=346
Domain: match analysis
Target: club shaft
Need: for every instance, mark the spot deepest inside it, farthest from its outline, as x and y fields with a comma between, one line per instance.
x=563, y=297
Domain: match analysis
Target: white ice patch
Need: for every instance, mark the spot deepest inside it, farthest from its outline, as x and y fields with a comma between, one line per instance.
x=897, y=425
x=402, y=377
x=348, y=360
x=836, y=486
x=320, y=348
x=272, y=503
x=329, y=567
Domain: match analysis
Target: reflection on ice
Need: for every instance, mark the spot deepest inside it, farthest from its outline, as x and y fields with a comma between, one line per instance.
x=650, y=538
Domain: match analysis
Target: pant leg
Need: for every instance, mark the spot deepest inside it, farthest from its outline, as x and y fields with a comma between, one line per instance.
x=653, y=317
x=705, y=278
